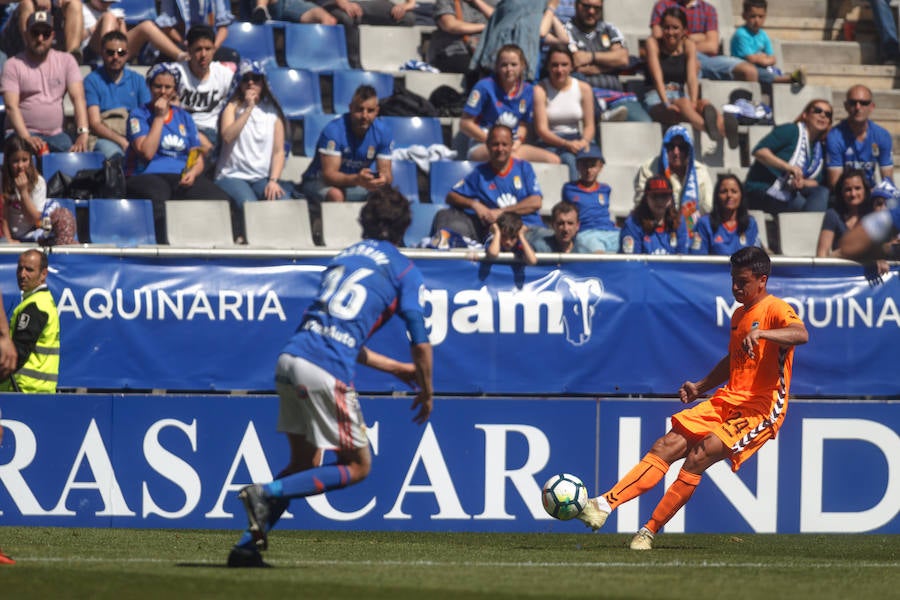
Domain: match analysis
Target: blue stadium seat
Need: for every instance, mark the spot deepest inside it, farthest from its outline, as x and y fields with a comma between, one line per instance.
x=253, y=42
x=137, y=10
x=406, y=179
x=444, y=175
x=408, y=131
x=315, y=47
x=346, y=82
x=296, y=91
x=313, y=124
x=121, y=222
x=420, y=227
x=69, y=162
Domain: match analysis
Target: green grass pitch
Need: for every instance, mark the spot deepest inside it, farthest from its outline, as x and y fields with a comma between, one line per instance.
x=168, y=564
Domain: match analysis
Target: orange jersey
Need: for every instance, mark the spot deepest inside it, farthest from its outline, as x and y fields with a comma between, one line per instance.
x=766, y=377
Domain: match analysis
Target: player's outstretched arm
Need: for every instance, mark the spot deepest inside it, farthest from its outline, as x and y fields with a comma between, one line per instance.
x=403, y=371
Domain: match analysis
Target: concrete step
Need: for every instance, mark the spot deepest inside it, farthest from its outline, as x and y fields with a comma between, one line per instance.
x=842, y=76
x=829, y=52
x=801, y=28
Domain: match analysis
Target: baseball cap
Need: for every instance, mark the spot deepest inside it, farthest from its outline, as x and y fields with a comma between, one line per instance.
x=39, y=17
x=592, y=151
x=658, y=184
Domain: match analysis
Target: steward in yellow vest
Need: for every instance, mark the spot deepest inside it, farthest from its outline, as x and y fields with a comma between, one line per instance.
x=35, y=329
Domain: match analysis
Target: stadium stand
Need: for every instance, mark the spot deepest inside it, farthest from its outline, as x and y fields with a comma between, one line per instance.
x=253, y=42
x=137, y=10
x=280, y=224
x=443, y=176
x=551, y=178
x=620, y=179
x=406, y=179
x=386, y=49
x=762, y=221
x=345, y=82
x=297, y=91
x=798, y=232
x=629, y=143
x=424, y=83
x=121, y=222
x=788, y=102
x=410, y=131
x=199, y=223
x=422, y=217
x=340, y=223
x=321, y=48
x=69, y=163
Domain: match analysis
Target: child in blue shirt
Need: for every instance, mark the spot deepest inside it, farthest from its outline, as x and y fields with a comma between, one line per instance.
x=751, y=43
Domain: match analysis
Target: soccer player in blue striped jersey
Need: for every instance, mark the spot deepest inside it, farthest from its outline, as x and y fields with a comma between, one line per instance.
x=361, y=288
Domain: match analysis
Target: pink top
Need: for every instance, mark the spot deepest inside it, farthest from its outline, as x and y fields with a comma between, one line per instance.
x=41, y=88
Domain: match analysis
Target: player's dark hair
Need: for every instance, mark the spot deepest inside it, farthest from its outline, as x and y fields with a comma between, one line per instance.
x=743, y=214
x=113, y=36
x=754, y=258
x=385, y=216
x=200, y=32
x=563, y=207
x=748, y=4
x=363, y=93
x=509, y=224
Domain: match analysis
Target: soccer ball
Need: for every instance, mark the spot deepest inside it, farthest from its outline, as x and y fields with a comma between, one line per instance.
x=564, y=496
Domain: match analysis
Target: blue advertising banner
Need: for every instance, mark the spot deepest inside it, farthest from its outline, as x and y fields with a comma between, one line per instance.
x=599, y=327
x=477, y=465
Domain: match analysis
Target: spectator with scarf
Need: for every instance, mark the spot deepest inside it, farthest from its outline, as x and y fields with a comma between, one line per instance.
x=729, y=227
x=690, y=179
x=786, y=173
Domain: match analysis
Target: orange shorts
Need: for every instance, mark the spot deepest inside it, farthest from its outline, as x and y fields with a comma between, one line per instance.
x=742, y=425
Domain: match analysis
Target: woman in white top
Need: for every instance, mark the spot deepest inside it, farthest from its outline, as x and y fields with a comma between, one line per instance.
x=253, y=133
x=563, y=109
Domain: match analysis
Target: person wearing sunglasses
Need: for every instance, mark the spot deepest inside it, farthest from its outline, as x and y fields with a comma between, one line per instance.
x=690, y=179
x=34, y=83
x=100, y=18
x=857, y=142
x=111, y=92
x=787, y=170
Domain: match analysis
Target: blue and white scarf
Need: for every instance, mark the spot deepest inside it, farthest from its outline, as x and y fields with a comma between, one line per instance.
x=689, y=201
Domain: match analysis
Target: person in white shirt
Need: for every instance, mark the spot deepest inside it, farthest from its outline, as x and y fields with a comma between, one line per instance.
x=205, y=85
x=252, y=155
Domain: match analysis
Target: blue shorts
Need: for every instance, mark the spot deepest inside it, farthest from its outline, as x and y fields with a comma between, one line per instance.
x=717, y=67
x=651, y=98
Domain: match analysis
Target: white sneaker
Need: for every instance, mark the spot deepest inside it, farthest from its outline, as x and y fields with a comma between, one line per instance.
x=642, y=540
x=617, y=114
x=595, y=512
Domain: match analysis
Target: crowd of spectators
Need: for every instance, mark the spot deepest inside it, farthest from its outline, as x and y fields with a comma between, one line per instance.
x=541, y=76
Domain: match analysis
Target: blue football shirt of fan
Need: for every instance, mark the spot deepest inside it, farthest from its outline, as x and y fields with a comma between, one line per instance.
x=337, y=139
x=503, y=189
x=592, y=203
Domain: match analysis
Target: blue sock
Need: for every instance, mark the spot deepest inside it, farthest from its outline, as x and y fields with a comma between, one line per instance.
x=246, y=541
x=310, y=482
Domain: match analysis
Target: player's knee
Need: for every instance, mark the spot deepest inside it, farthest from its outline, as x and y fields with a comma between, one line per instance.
x=670, y=447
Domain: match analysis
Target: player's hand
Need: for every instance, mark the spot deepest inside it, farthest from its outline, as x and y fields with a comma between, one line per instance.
x=751, y=343
x=688, y=392
x=424, y=402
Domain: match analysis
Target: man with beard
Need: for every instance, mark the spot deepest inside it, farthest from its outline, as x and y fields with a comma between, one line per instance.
x=34, y=83
x=111, y=92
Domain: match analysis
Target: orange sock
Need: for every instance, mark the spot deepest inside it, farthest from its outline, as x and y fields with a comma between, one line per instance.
x=638, y=480
x=675, y=497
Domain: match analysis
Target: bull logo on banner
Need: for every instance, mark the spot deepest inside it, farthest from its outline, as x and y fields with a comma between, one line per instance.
x=580, y=298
